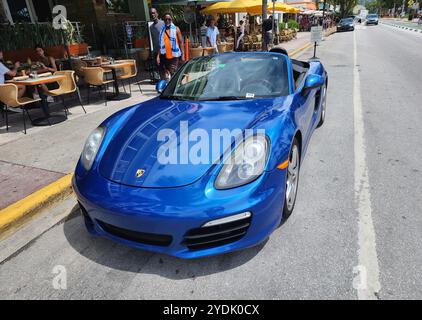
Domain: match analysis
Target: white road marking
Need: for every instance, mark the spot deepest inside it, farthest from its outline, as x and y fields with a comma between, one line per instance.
x=389, y=26
x=367, y=252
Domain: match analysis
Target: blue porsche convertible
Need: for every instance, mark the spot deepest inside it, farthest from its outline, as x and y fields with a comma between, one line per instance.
x=211, y=164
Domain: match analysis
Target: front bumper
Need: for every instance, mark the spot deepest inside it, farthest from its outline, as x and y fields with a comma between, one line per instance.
x=175, y=213
x=345, y=28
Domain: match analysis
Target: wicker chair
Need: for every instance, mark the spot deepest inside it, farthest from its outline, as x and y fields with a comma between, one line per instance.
x=221, y=47
x=229, y=47
x=9, y=96
x=209, y=51
x=129, y=72
x=77, y=65
x=94, y=77
x=196, y=52
x=66, y=86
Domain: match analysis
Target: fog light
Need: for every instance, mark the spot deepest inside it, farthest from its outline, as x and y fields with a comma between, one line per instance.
x=236, y=217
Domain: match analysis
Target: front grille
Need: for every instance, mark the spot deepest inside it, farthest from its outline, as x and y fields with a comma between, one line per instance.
x=214, y=236
x=140, y=237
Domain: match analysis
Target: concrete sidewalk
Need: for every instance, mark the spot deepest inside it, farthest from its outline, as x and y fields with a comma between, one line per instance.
x=45, y=154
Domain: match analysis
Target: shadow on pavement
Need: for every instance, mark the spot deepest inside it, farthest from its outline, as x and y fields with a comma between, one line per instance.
x=117, y=256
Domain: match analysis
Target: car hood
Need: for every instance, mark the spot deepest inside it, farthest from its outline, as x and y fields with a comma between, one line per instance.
x=135, y=154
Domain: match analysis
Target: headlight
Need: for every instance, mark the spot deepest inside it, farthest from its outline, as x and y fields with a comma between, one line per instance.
x=91, y=147
x=245, y=164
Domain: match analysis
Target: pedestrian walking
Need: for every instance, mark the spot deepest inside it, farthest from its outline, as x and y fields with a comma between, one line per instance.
x=213, y=35
x=155, y=29
x=171, y=48
x=203, y=31
x=267, y=27
x=242, y=33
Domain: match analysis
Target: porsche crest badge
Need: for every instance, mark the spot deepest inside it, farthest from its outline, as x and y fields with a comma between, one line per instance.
x=140, y=173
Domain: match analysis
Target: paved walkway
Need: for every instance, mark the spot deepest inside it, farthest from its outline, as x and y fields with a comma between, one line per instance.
x=32, y=161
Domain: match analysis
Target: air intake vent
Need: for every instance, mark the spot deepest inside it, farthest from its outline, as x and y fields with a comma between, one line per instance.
x=140, y=237
x=214, y=236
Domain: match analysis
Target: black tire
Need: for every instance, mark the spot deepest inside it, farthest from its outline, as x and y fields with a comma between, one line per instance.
x=288, y=209
x=323, y=105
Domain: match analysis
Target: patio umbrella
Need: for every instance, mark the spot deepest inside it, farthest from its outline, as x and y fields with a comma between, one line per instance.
x=188, y=2
x=219, y=7
x=250, y=6
x=277, y=8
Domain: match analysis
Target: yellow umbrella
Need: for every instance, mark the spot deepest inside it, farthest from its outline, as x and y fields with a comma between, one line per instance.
x=284, y=8
x=249, y=6
x=219, y=7
x=255, y=6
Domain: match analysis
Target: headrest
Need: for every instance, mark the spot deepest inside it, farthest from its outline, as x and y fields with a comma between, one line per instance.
x=279, y=50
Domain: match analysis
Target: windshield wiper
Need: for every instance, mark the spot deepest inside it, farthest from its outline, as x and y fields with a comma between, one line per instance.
x=173, y=97
x=224, y=98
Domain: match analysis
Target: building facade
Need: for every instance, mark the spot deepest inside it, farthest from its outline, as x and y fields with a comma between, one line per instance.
x=303, y=4
x=97, y=16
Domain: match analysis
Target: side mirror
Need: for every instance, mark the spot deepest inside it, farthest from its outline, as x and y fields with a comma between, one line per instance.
x=160, y=86
x=313, y=81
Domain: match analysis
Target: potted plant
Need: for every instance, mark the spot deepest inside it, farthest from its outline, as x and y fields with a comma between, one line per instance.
x=140, y=38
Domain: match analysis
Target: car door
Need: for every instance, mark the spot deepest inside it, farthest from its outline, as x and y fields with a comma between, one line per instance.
x=306, y=103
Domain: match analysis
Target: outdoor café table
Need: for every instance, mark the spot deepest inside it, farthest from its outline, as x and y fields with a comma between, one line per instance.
x=48, y=118
x=113, y=67
x=92, y=62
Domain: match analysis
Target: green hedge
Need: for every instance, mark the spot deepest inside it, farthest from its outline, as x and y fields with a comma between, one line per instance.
x=28, y=35
x=293, y=24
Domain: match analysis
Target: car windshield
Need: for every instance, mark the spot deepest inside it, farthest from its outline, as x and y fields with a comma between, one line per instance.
x=230, y=76
x=371, y=16
x=348, y=20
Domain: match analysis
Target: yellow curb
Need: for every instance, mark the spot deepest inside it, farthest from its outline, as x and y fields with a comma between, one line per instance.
x=18, y=212
x=298, y=50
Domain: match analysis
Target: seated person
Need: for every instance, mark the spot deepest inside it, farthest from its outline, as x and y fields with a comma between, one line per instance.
x=11, y=73
x=48, y=64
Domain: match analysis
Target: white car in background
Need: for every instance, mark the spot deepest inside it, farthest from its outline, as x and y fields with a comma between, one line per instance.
x=372, y=19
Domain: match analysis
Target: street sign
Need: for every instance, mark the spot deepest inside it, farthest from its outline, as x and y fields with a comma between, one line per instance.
x=316, y=34
x=316, y=37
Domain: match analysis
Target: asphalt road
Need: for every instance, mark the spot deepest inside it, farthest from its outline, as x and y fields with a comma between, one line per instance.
x=358, y=214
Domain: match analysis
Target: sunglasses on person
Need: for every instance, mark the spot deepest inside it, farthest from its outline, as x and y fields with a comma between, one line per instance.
x=167, y=19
